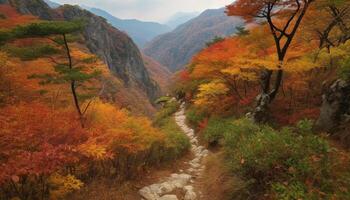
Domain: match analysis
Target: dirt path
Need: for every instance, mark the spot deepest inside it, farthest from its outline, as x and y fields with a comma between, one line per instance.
x=180, y=186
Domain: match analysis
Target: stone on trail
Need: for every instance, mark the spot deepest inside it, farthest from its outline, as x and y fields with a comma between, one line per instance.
x=168, y=197
x=147, y=194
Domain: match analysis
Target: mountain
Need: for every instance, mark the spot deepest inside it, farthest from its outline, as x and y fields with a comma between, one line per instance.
x=141, y=32
x=115, y=48
x=118, y=50
x=175, y=49
x=180, y=18
x=52, y=4
x=158, y=72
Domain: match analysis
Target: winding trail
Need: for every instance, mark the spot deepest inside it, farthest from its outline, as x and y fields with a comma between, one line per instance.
x=183, y=181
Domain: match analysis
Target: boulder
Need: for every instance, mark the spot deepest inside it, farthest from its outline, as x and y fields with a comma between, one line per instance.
x=335, y=108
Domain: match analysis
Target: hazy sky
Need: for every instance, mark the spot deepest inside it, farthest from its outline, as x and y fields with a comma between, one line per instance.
x=149, y=10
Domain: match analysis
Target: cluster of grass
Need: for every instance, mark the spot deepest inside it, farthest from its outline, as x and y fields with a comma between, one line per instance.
x=31, y=53
x=176, y=141
x=195, y=116
x=169, y=108
x=291, y=163
x=216, y=129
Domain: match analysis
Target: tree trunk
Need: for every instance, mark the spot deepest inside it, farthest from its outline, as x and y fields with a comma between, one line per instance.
x=73, y=83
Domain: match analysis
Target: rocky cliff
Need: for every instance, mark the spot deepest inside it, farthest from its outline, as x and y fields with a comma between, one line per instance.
x=175, y=49
x=115, y=48
x=34, y=7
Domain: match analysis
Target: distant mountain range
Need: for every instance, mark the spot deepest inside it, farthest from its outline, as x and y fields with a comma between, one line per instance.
x=52, y=4
x=175, y=49
x=180, y=18
x=141, y=32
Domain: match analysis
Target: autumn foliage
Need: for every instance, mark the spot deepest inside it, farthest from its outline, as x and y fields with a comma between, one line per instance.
x=45, y=152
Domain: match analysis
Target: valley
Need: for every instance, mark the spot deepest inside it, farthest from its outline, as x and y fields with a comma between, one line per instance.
x=181, y=101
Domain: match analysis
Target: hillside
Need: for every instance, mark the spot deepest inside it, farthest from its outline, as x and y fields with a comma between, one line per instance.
x=175, y=49
x=158, y=72
x=133, y=27
x=180, y=18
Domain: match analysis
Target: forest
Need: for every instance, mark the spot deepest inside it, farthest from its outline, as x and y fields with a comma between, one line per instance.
x=261, y=114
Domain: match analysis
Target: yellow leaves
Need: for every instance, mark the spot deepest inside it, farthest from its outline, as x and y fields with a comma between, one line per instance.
x=94, y=151
x=300, y=65
x=63, y=185
x=233, y=71
x=208, y=92
x=115, y=130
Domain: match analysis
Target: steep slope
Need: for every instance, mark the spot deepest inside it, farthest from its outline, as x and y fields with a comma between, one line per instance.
x=176, y=48
x=141, y=32
x=37, y=8
x=180, y=18
x=116, y=49
x=158, y=72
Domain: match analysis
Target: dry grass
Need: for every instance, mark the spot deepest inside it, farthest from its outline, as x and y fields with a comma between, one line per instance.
x=217, y=183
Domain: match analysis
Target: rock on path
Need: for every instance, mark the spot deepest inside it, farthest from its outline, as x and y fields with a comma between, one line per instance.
x=185, y=178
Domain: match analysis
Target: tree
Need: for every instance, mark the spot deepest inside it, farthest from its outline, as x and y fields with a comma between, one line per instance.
x=283, y=18
x=241, y=31
x=66, y=72
x=332, y=24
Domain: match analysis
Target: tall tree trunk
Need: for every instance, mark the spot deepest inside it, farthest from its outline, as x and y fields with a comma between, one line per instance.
x=73, y=82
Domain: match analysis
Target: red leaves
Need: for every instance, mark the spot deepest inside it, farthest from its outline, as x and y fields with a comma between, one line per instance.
x=35, y=140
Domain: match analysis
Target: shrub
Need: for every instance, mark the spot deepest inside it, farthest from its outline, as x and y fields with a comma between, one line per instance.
x=176, y=141
x=217, y=128
x=344, y=70
x=195, y=116
x=284, y=164
x=169, y=108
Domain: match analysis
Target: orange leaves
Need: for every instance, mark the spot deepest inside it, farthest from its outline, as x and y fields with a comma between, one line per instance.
x=245, y=8
x=12, y=18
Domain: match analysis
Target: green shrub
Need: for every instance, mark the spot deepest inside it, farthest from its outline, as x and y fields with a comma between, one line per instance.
x=176, y=141
x=195, y=116
x=31, y=53
x=344, y=70
x=305, y=126
x=292, y=191
x=217, y=128
x=169, y=108
x=284, y=164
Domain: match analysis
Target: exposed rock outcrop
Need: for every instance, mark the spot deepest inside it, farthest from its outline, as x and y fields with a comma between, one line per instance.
x=115, y=48
x=34, y=7
x=335, y=109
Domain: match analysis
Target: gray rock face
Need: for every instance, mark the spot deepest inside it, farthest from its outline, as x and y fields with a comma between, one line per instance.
x=335, y=108
x=115, y=48
x=35, y=7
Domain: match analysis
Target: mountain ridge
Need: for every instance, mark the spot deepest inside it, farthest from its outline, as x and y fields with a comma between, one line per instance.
x=133, y=26
x=175, y=49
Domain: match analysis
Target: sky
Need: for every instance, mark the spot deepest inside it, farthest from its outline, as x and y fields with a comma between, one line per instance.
x=149, y=10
